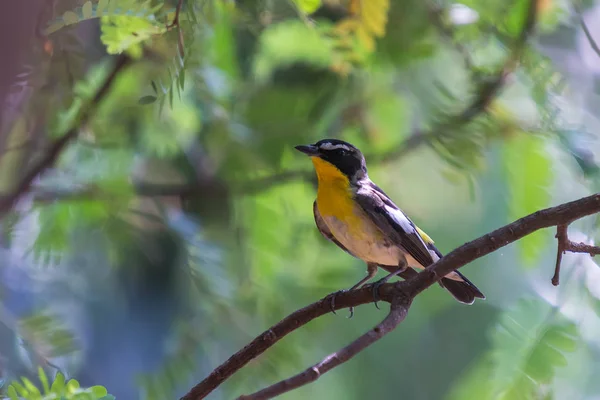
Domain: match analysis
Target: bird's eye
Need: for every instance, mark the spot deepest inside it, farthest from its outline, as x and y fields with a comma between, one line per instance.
x=344, y=153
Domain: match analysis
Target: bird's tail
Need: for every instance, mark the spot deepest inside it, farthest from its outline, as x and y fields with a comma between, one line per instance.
x=464, y=291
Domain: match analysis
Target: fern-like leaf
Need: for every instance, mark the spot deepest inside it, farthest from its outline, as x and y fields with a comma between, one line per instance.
x=60, y=389
x=367, y=21
x=529, y=342
x=104, y=8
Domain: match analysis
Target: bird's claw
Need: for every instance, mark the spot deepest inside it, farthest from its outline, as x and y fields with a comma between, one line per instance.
x=332, y=302
x=375, y=291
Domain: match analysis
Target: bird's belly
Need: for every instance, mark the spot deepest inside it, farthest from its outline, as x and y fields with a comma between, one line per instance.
x=363, y=239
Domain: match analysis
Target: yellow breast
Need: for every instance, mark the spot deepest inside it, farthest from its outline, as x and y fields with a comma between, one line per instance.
x=334, y=196
x=348, y=223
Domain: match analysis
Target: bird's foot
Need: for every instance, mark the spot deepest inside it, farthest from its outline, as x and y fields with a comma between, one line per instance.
x=375, y=290
x=332, y=302
x=383, y=280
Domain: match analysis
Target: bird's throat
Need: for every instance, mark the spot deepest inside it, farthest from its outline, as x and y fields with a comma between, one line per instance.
x=334, y=196
x=328, y=173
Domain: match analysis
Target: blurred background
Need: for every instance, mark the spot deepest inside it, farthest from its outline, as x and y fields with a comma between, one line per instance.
x=176, y=223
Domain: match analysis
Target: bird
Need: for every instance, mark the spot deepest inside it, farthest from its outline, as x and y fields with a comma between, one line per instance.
x=354, y=213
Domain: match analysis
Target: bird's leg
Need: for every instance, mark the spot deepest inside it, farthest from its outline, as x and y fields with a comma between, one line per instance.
x=371, y=272
x=402, y=265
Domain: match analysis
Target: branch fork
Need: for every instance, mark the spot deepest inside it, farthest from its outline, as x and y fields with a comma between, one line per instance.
x=565, y=244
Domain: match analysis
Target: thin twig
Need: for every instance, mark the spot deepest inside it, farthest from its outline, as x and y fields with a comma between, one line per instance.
x=56, y=148
x=175, y=22
x=561, y=236
x=554, y=216
x=586, y=31
x=564, y=244
x=398, y=311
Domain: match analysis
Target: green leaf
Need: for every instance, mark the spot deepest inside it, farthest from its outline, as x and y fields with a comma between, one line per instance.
x=528, y=174
x=182, y=79
x=101, y=7
x=69, y=17
x=72, y=386
x=98, y=391
x=12, y=393
x=33, y=391
x=86, y=10
x=308, y=6
x=58, y=386
x=43, y=380
x=20, y=389
x=121, y=33
x=147, y=100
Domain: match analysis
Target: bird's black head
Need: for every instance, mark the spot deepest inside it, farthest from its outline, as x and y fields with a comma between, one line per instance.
x=344, y=156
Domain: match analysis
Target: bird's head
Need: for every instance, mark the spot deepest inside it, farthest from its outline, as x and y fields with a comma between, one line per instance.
x=333, y=157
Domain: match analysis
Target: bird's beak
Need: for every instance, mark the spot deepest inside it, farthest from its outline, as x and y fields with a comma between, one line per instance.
x=310, y=150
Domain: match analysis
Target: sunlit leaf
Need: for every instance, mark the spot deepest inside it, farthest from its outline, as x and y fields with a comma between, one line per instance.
x=308, y=6
x=121, y=33
x=60, y=389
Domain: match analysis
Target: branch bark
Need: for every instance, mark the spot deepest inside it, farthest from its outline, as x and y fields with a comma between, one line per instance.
x=563, y=214
x=565, y=244
x=398, y=311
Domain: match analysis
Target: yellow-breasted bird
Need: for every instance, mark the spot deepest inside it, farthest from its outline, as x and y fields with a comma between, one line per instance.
x=355, y=214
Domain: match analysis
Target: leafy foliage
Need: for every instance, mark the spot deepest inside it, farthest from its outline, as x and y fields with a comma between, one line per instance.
x=47, y=334
x=121, y=32
x=59, y=388
x=308, y=6
x=529, y=345
x=366, y=22
x=131, y=9
x=244, y=82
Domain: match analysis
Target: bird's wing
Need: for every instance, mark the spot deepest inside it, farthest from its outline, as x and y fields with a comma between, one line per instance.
x=324, y=229
x=393, y=223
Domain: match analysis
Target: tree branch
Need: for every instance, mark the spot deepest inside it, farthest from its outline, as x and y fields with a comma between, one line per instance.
x=175, y=22
x=485, y=94
x=398, y=311
x=56, y=148
x=565, y=244
x=560, y=215
x=275, y=333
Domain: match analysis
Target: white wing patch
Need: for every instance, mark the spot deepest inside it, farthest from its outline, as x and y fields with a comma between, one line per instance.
x=400, y=219
x=331, y=146
x=434, y=255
